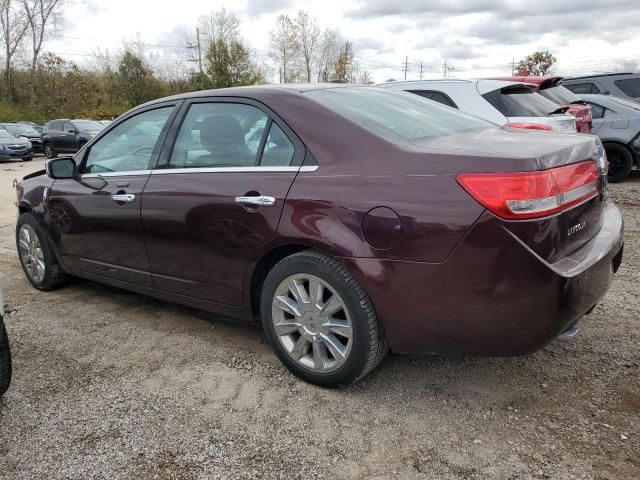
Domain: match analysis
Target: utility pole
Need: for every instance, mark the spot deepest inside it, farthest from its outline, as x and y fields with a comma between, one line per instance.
x=446, y=69
x=513, y=66
x=405, y=66
x=199, y=49
x=421, y=70
x=280, y=71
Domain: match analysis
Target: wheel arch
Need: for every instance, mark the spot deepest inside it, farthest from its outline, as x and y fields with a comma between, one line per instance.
x=264, y=265
x=621, y=143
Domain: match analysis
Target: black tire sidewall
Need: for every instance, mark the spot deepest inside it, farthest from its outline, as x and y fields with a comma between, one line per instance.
x=48, y=151
x=628, y=159
x=49, y=281
x=5, y=359
x=357, y=361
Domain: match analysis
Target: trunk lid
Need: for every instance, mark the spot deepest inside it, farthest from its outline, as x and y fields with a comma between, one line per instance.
x=551, y=237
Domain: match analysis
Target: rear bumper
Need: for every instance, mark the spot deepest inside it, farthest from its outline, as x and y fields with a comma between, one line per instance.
x=493, y=295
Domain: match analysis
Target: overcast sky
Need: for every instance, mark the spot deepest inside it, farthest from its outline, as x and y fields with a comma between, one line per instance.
x=476, y=37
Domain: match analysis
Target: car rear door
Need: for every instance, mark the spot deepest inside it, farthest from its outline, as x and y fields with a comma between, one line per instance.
x=95, y=217
x=216, y=197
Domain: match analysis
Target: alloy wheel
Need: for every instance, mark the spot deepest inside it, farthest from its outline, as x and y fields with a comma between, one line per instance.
x=616, y=163
x=31, y=253
x=312, y=323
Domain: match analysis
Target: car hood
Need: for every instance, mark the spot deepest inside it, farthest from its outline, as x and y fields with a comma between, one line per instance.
x=15, y=141
x=518, y=147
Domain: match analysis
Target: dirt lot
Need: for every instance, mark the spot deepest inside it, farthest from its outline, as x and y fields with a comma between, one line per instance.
x=109, y=384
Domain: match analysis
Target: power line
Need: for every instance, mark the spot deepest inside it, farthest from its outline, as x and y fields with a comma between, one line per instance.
x=405, y=66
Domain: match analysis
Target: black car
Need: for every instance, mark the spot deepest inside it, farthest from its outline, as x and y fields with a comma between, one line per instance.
x=68, y=136
x=5, y=354
x=14, y=148
x=24, y=130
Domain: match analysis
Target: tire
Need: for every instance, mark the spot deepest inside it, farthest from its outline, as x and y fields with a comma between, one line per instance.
x=49, y=152
x=620, y=161
x=38, y=261
x=306, y=343
x=5, y=359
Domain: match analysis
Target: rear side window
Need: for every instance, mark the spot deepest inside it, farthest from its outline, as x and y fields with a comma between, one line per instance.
x=394, y=115
x=435, y=96
x=586, y=87
x=630, y=86
x=597, y=111
x=219, y=134
x=520, y=102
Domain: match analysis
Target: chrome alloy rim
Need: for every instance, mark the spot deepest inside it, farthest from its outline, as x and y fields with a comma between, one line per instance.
x=312, y=323
x=31, y=253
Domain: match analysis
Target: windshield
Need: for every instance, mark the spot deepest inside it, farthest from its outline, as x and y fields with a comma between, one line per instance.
x=20, y=129
x=396, y=115
x=87, y=125
x=560, y=95
x=4, y=135
x=625, y=102
x=520, y=102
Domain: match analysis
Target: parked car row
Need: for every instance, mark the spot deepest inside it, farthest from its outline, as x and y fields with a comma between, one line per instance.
x=20, y=140
x=347, y=220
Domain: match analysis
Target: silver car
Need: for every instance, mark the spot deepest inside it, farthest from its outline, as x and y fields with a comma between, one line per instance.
x=617, y=122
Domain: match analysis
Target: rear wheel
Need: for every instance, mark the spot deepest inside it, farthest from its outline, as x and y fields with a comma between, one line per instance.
x=38, y=261
x=5, y=359
x=320, y=322
x=49, y=151
x=620, y=161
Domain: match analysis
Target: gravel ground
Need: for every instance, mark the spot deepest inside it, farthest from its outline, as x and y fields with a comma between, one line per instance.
x=109, y=384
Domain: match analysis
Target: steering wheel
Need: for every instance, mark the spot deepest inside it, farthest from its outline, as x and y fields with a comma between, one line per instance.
x=141, y=150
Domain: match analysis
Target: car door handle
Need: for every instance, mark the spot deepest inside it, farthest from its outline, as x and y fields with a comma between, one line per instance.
x=258, y=201
x=123, y=197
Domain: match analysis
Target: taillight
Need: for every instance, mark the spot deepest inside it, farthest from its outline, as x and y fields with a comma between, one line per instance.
x=520, y=195
x=530, y=126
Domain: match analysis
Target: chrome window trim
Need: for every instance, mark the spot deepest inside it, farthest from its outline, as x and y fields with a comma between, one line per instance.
x=258, y=169
x=128, y=173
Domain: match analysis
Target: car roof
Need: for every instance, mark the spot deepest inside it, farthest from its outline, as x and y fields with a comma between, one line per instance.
x=598, y=75
x=483, y=85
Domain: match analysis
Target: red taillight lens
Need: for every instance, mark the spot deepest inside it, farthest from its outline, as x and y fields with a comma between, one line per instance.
x=530, y=126
x=520, y=195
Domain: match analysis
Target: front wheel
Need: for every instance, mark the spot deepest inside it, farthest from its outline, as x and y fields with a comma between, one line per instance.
x=5, y=357
x=37, y=258
x=320, y=322
x=49, y=151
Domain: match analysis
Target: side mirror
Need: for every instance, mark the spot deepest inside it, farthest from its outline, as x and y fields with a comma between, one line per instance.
x=71, y=130
x=61, y=168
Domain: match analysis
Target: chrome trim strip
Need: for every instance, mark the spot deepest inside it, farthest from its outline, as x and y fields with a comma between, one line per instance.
x=130, y=173
x=168, y=171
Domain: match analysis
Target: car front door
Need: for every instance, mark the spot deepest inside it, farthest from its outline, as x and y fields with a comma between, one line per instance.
x=55, y=135
x=95, y=217
x=216, y=197
x=68, y=138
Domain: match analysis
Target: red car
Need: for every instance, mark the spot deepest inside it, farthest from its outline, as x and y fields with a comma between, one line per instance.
x=346, y=220
x=551, y=88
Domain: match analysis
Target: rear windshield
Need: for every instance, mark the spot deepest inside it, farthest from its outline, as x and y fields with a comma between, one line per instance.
x=520, y=102
x=630, y=86
x=560, y=95
x=396, y=115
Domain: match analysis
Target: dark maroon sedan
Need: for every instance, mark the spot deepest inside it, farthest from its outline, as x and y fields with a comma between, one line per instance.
x=347, y=220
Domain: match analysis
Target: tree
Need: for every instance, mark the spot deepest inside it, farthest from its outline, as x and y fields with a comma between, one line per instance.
x=343, y=68
x=284, y=47
x=218, y=25
x=136, y=81
x=40, y=14
x=538, y=64
x=229, y=64
x=14, y=24
x=328, y=53
x=307, y=34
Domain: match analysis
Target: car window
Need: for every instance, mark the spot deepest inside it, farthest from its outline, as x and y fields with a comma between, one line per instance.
x=559, y=94
x=396, y=116
x=597, y=111
x=630, y=86
x=520, y=102
x=88, y=125
x=435, y=96
x=129, y=145
x=68, y=127
x=219, y=135
x=585, y=87
x=624, y=102
x=20, y=129
x=278, y=149
x=56, y=126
